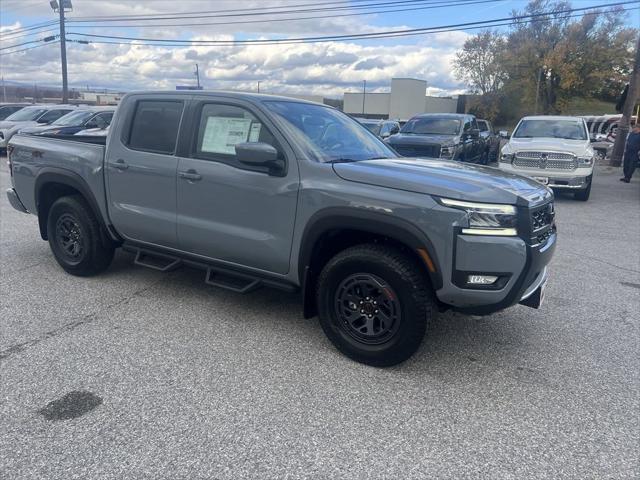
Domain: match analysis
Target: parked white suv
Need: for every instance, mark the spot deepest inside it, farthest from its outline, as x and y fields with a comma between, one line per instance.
x=554, y=150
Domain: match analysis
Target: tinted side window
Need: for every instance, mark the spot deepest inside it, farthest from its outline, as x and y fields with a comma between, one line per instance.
x=103, y=120
x=467, y=125
x=221, y=127
x=483, y=126
x=155, y=126
x=52, y=115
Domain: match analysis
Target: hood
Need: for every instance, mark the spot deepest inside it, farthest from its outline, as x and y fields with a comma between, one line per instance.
x=446, y=178
x=37, y=128
x=414, y=139
x=576, y=147
x=6, y=125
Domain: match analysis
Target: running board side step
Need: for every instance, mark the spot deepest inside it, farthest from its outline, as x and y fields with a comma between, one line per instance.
x=217, y=276
x=156, y=261
x=236, y=282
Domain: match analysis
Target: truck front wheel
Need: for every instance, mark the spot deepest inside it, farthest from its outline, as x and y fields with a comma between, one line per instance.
x=76, y=239
x=374, y=303
x=584, y=194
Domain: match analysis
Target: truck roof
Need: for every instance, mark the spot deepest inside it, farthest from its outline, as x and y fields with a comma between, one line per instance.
x=551, y=117
x=255, y=97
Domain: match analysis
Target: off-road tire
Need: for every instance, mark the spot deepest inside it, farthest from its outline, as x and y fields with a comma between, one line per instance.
x=95, y=251
x=408, y=282
x=584, y=194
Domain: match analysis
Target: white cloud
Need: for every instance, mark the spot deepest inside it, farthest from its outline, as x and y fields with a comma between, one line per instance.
x=322, y=68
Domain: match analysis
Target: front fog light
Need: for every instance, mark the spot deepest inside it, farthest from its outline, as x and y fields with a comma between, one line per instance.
x=486, y=218
x=481, y=279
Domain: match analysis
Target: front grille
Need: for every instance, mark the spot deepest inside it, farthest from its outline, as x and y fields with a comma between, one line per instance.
x=544, y=160
x=542, y=223
x=418, y=150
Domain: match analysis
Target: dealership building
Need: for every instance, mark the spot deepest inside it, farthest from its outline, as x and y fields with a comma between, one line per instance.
x=406, y=99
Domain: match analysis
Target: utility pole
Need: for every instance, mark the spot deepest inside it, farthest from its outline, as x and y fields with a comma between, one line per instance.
x=4, y=91
x=59, y=6
x=198, y=76
x=632, y=97
x=258, y=86
x=537, y=90
x=364, y=93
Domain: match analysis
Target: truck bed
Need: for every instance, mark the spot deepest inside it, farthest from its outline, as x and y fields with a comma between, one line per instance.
x=32, y=155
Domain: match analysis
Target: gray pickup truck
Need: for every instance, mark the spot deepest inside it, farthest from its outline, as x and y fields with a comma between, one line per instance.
x=264, y=190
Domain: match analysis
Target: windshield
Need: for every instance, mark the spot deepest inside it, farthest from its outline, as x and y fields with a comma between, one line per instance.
x=432, y=126
x=26, y=114
x=73, y=119
x=548, y=128
x=327, y=134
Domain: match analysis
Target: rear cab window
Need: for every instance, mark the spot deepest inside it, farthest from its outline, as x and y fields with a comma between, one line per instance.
x=155, y=125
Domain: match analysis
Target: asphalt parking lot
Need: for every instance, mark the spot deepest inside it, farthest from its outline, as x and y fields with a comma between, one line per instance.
x=182, y=380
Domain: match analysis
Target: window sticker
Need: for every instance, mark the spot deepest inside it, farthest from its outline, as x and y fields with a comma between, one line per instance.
x=254, y=135
x=221, y=134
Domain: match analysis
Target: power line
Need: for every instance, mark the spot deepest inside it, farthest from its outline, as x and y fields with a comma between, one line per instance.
x=291, y=19
x=36, y=26
x=218, y=13
x=20, y=44
x=361, y=36
x=506, y=23
x=31, y=48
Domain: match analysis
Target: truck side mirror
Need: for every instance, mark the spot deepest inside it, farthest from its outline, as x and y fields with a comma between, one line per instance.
x=259, y=154
x=503, y=134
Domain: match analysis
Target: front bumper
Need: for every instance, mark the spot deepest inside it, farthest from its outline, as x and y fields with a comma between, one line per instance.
x=15, y=202
x=577, y=179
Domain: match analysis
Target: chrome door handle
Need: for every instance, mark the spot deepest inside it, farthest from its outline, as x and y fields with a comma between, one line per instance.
x=120, y=164
x=190, y=175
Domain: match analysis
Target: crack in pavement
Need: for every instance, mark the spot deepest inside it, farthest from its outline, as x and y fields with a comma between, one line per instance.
x=603, y=261
x=68, y=327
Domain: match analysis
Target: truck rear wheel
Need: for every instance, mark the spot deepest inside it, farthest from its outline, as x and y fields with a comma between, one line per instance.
x=374, y=303
x=76, y=239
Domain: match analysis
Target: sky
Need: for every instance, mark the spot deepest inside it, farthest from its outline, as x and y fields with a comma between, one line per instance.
x=328, y=69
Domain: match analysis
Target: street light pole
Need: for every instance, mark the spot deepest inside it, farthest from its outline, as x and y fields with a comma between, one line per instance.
x=59, y=6
x=63, y=56
x=364, y=93
x=198, y=76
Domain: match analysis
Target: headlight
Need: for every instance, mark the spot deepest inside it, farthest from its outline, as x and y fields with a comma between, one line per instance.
x=585, y=161
x=506, y=158
x=486, y=218
x=447, y=151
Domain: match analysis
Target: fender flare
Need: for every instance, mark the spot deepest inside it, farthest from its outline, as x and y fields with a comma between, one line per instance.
x=345, y=218
x=71, y=179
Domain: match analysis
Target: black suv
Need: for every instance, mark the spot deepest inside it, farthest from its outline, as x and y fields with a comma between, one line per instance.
x=491, y=139
x=441, y=135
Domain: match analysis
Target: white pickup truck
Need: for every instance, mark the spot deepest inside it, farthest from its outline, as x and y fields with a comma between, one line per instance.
x=554, y=150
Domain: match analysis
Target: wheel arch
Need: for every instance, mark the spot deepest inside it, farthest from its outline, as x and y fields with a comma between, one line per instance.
x=53, y=183
x=334, y=229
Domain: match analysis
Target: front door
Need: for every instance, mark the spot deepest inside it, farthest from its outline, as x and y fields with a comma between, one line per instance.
x=228, y=211
x=141, y=173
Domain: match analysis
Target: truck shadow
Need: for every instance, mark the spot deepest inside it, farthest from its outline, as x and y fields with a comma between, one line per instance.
x=452, y=339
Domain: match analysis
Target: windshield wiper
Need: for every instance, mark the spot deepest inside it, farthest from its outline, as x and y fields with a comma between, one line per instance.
x=341, y=160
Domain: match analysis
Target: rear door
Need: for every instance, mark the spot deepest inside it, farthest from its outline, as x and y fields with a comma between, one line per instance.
x=229, y=211
x=141, y=170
